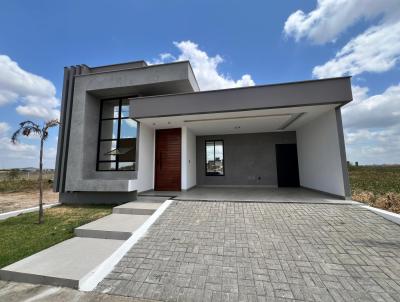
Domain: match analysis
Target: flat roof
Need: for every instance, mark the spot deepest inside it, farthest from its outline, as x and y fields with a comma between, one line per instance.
x=132, y=65
x=291, y=94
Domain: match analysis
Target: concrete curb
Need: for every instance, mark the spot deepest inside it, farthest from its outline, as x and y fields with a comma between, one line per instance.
x=27, y=210
x=90, y=281
x=393, y=217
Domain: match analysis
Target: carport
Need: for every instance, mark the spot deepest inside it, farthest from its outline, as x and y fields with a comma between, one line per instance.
x=263, y=137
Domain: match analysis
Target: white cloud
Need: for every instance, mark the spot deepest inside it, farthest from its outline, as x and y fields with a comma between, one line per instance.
x=332, y=17
x=4, y=127
x=372, y=126
x=373, y=146
x=14, y=154
x=36, y=93
x=205, y=67
x=376, y=111
x=24, y=154
x=7, y=96
x=375, y=50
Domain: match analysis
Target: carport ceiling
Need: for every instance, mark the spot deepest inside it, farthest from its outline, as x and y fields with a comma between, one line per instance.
x=254, y=121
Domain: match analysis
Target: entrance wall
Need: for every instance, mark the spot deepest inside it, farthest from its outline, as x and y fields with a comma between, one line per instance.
x=249, y=159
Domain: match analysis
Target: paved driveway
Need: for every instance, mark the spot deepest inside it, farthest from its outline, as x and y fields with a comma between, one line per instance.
x=230, y=251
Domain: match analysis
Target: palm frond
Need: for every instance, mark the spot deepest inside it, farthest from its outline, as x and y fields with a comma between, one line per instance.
x=26, y=128
x=49, y=124
x=28, y=123
x=52, y=123
x=14, y=137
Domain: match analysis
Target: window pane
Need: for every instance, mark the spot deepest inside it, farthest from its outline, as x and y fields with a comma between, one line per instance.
x=110, y=109
x=219, y=152
x=128, y=128
x=125, y=108
x=107, y=150
x=117, y=147
x=107, y=166
x=215, y=158
x=126, y=166
x=210, y=151
x=127, y=150
x=109, y=129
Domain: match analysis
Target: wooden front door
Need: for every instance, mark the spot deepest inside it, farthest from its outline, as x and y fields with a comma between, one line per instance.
x=168, y=160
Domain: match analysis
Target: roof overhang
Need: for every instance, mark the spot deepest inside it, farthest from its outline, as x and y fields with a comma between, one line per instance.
x=135, y=79
x=237, y=122
x=334, y=91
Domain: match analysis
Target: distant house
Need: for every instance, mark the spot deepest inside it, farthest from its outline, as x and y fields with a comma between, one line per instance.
x=129, y=128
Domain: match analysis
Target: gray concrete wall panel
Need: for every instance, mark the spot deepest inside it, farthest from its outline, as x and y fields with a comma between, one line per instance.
x=249, y=159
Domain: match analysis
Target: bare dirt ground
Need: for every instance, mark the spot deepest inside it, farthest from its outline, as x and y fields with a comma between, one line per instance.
x=22, y=200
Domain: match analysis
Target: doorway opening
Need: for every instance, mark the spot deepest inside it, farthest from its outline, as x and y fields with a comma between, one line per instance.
x=287, y=165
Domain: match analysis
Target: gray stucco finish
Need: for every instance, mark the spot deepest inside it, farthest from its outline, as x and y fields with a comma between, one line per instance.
x=249, y=158
x=327, y=91
x=78, y=149
x=97, y=197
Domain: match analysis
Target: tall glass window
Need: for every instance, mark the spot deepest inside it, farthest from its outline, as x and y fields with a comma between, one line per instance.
x=215, y=158
x=117, y=137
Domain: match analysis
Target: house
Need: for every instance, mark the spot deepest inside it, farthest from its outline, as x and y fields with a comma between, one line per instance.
x=130, y=128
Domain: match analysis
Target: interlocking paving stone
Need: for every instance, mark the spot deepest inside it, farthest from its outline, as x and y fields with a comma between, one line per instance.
x=231, y=251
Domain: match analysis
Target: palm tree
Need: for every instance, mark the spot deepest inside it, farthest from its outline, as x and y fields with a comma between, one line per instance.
x=27, y=128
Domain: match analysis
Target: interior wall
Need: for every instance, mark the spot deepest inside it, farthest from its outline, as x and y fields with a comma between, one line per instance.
x=318, y=148
x=249, y=159
x=145, y=179
x=188, y=159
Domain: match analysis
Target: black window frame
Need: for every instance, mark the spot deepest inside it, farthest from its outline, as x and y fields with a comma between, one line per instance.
x=223, y=157
x=117, y=140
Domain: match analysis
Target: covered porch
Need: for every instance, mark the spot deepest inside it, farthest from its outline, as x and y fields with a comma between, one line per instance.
x=234, y=138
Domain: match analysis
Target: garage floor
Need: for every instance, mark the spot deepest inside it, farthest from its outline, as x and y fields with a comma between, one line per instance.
x=242, y=194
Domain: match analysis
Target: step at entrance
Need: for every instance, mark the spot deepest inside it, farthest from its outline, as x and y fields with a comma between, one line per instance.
x=114, y=226
x=137, y=208
x=150, y=198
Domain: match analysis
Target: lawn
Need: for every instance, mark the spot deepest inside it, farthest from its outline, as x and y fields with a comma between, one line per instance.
x=21, y=236
x=18, y=181
x=23, y=185
x=378, y=186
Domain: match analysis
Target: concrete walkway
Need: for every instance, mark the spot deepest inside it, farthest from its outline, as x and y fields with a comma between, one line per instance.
x=72, y=262
x=25, y=292
x=236, y=251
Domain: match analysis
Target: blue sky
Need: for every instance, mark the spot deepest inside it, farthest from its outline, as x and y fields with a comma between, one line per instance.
x=229, y=44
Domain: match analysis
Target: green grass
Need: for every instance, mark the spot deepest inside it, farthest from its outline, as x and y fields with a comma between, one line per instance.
x=21, y=236
x=377, y=186
x=375, y=179
x=22, y=185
